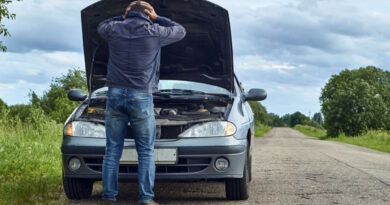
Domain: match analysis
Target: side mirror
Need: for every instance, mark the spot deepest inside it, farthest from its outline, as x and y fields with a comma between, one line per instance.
x=77, y=95
x=256, y=95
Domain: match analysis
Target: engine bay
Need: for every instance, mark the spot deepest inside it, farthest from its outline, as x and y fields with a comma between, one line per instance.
x=172, y=118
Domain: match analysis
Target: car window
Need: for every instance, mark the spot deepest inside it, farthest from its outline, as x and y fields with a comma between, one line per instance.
x=181, y=85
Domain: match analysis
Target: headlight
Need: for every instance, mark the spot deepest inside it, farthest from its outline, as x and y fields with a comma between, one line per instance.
x=210, y=129
x=85, y=129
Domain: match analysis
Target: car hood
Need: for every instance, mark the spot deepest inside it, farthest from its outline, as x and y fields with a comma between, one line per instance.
x=205, y=55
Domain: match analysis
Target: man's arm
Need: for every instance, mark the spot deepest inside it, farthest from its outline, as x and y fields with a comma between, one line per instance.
x=169, y=31
x=104, y=28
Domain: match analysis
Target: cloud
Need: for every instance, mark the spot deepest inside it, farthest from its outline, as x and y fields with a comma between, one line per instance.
x=46, y=25
x=289, y=47
x=22, y=72
x=257, y=63
x=314, y=38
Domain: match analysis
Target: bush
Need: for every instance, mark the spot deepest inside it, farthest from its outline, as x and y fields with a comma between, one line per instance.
x=356, y=101
x=299, y=119
x=311, y=131
x=55, y=101
x=259, y=111
x=30, y=165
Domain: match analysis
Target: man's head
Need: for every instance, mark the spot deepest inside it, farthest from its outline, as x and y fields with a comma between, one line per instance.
x=138, y=6
x=141, y=6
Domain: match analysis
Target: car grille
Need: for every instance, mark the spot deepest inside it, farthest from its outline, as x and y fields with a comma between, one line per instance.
x=184, y=165
x=166, y=132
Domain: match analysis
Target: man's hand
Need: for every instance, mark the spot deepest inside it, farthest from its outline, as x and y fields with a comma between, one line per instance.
x=150, y=11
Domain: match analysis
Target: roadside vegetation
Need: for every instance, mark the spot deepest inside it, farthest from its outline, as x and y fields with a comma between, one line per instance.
x=261, y=130
x=30, y=140
x=356, y=108
x=264, y=121
x=261, y=119
x=373, y=139
x=312, y=131
x=30, y=165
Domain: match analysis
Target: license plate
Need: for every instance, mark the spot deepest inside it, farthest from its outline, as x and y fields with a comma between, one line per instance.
x=161, y=156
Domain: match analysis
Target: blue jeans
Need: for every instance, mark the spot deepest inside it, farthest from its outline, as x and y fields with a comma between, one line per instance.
x=136, y=107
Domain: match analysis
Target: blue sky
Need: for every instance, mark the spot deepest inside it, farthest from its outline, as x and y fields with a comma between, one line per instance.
x=289, y=47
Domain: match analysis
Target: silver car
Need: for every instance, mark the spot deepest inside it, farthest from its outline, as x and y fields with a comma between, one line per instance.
x=205, y=126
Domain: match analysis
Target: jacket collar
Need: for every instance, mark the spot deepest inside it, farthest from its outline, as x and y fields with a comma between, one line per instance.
x=138, y=14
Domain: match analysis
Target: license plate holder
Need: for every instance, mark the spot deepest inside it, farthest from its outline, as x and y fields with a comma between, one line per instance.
x=166, y=156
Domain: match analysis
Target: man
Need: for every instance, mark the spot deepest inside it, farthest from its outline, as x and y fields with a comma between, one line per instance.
x=135, y=42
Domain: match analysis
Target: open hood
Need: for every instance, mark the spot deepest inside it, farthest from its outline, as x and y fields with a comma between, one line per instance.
x=205, y=55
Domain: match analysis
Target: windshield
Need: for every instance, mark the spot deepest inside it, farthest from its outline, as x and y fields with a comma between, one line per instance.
x=179, y=85
x=193, y=86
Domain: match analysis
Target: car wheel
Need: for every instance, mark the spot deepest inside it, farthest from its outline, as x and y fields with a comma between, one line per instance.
x=238, y=189
x=76, y=189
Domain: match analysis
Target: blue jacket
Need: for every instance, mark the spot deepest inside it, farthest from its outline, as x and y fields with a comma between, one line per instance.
x=135, y=49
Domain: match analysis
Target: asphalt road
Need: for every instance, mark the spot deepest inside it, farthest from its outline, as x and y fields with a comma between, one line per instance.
x=289, y=168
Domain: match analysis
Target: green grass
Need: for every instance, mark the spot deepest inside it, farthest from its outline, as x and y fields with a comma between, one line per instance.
x=311, y=131
x=261, y=130
x=30, y=162
x=374, y=139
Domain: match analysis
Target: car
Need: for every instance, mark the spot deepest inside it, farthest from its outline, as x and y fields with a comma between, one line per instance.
x=205, y=126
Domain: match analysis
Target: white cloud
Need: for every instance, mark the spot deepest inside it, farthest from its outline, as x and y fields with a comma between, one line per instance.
x=22, y=72
x=256, y=62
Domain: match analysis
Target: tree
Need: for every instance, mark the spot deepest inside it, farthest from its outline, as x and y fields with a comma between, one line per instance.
x=286, y=119
x=3, y=105
x=317, y=117
x=259, y=111
x=35, y=101
x=355, y=101
x=298, y=118
x=274, y=120
x=5, y=14
x=55, y=102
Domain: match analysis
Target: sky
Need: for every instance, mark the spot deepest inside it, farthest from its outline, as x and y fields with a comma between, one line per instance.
x=291, y=48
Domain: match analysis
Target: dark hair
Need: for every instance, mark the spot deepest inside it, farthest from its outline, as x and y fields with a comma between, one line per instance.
x=138, y=7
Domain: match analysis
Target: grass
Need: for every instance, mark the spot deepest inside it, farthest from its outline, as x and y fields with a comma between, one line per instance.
x=261, y=130
x=30, y=162
x=311, y=131
x=374, y=139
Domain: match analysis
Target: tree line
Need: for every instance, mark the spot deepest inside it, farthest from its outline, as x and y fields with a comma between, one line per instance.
x=288, y=120
x=352, y=102
x=54, y=103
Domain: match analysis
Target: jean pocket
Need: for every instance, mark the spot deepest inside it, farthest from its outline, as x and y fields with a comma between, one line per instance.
x=141, y=108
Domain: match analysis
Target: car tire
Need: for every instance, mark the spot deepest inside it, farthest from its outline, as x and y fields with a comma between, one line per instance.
x=238, y=189
x=76, y=189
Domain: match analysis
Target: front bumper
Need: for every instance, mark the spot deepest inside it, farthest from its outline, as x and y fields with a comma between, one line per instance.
x=196, y=158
